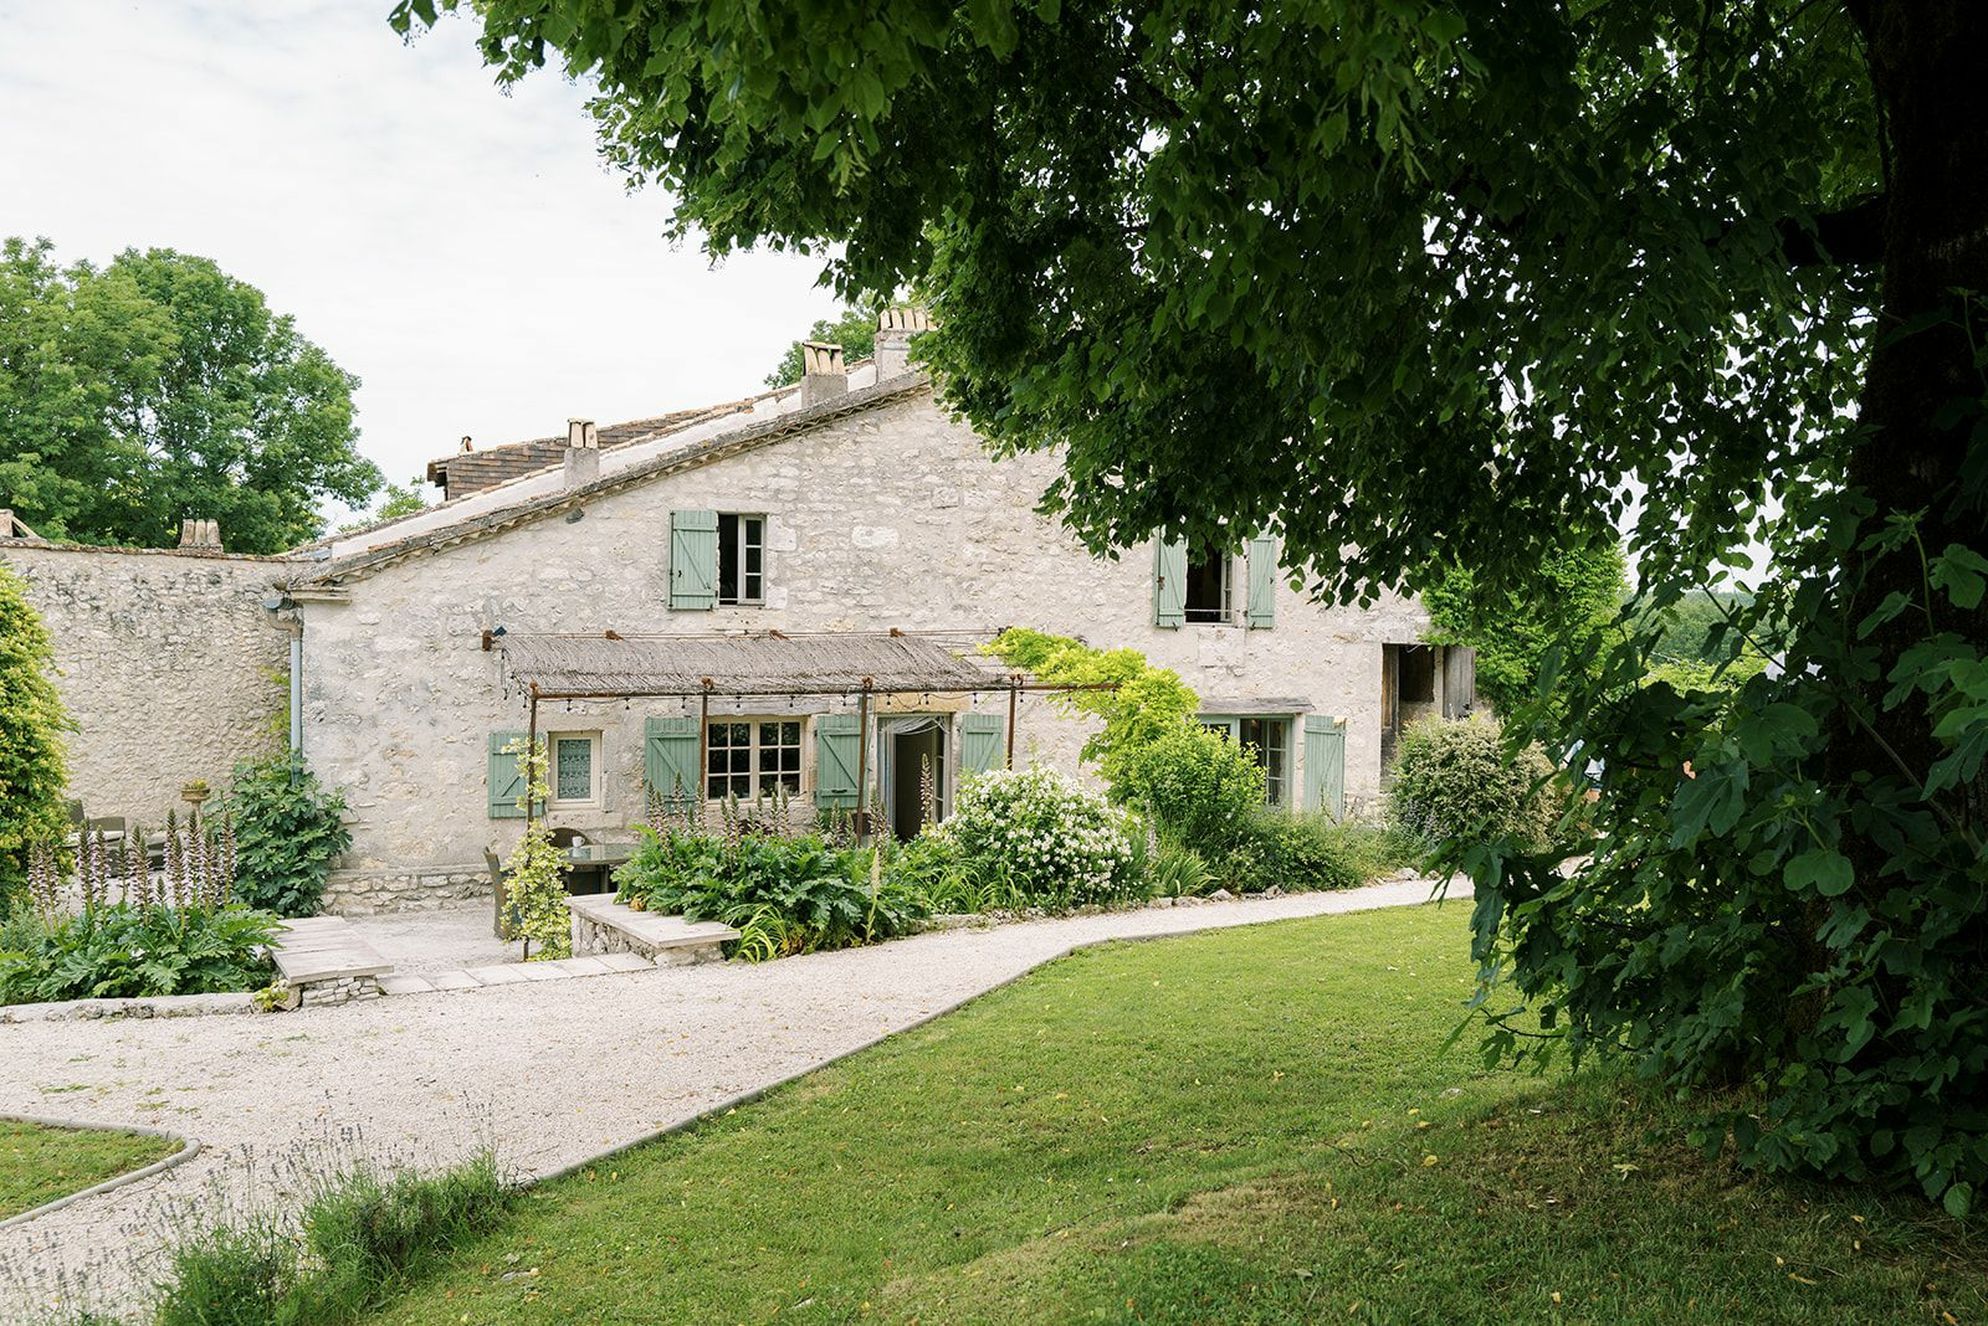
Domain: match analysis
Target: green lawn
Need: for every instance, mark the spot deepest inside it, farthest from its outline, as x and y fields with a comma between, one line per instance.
x=39, y=1164
x=1256, y=1125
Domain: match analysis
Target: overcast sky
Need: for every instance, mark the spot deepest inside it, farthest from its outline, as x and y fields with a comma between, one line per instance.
x=463, y=251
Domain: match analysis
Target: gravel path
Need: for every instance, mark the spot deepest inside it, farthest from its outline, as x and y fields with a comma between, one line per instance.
x=550, y=1073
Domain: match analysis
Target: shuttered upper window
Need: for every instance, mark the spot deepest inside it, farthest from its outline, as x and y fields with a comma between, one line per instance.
x=741, y=559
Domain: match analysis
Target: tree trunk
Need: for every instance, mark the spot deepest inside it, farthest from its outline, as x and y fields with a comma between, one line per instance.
x=1929, y=66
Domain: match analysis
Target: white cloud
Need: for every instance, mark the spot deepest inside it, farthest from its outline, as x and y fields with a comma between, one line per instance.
x=462, y=250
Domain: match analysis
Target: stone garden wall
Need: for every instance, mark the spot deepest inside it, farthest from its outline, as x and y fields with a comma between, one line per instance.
x=166, y=661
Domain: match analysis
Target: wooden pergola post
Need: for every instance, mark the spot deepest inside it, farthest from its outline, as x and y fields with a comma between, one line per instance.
x=863, y=760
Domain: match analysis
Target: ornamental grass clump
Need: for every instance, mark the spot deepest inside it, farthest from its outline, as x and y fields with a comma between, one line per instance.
x=1050, y=840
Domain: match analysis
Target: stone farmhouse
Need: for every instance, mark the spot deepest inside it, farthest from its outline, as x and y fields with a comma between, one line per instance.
x=842, y=531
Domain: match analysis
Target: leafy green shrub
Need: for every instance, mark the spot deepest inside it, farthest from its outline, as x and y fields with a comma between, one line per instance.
x=1295, y=853
x=1197, y=786
x=535, y=876
x=1137, y=702
x=32, y=721
x=288, y=831
x=1453, y=783
x=1050, y=840
x=124, y=950
x=784, y=895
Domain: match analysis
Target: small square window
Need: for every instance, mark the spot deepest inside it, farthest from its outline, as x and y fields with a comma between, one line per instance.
x=1208, y=590
x=575, y=769
x=741, y=559
x=749, y=759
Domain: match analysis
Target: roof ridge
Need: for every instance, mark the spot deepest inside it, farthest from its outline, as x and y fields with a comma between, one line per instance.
x=755, y=433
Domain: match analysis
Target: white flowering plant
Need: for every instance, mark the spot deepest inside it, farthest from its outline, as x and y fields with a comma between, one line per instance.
x=1046, y=838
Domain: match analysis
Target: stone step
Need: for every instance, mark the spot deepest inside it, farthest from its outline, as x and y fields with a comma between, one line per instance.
x=321, y=949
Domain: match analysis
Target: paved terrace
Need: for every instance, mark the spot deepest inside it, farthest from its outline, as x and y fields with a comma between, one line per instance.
x=550, y=1073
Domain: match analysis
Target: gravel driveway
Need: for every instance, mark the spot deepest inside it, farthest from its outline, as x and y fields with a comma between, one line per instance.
x=550, y=1073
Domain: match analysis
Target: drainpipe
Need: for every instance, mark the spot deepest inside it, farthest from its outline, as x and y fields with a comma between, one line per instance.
x=283, y=613
x=297, y=693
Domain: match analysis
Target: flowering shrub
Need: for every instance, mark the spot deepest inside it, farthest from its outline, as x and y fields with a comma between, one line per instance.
x=1454, y=783
x=1198, y=787
x=1052, y=841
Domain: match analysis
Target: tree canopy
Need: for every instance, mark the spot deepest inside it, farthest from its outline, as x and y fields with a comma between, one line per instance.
x=1526, y=641
x=855, y=330
x=1418, y=285
x=158, y=388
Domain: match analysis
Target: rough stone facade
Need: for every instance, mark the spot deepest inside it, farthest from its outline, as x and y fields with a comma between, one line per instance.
x=892, y=516
x=167, y=662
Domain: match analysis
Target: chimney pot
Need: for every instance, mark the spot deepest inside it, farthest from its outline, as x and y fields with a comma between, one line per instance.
x=582, y=433
x=825, y=376
x=466, y=447
x=200, y=534
x=895, y=328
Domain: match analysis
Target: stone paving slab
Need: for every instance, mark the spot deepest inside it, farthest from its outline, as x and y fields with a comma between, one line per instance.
x=623, y=961
x=396, y=985
x=454, y=980
x=498, y=975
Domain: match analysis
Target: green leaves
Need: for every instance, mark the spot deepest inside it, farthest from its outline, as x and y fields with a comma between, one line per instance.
x=1824, y=870
x=158, y=387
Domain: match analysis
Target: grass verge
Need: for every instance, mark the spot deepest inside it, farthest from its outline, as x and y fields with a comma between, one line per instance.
x=1257, y=1125
x=39, y=1164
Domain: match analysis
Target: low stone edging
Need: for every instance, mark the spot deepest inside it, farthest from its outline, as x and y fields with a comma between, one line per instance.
x=153, y=1006
x=188, y=1149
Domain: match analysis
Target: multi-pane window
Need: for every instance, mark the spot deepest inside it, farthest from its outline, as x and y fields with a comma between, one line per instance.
x=1268, y=740
x=741, y=559
x=575, y=768
x=751, y=757
x=1208, y=590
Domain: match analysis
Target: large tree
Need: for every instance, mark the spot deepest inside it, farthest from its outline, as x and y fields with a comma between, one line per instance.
x=157, y=388
x=1428, y=283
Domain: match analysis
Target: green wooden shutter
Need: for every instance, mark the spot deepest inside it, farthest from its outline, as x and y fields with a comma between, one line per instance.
x=669, y=757
x=982, y=743
x=1170, y=583
x=1325, y=765
x=838, y=746
x=693, y=560
x=507, y=776
x=1260, y=609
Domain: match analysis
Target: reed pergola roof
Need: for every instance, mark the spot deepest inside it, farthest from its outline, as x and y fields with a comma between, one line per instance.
x=614, y=666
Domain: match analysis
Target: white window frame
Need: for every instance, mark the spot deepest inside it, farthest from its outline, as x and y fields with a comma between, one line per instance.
x=741, y=543
x=1277, y=792
x=754, y=746
x=592, y=801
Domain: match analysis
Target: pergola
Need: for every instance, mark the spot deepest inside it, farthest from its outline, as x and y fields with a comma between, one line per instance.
x=862, y=664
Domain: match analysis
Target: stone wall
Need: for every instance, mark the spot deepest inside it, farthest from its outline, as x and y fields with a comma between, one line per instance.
x=365, y=892
x=167, y=662
x=893, y=516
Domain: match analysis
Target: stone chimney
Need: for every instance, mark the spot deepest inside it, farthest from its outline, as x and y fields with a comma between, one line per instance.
x=824, y=375
x=583, y=453
x=895, y=328
x=200, y=534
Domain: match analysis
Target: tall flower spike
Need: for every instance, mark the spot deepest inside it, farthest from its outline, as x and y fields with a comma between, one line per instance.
x=175, y=882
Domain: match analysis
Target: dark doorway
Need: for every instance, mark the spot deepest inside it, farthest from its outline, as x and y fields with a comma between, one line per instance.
x=916, y=760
